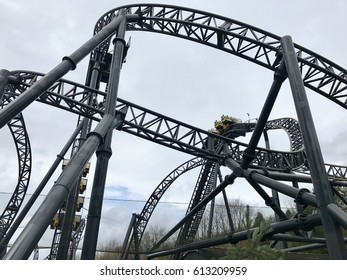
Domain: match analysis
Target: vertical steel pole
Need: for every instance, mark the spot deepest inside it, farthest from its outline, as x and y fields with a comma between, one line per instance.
x=104, y=151
x=132, y=223
x=66, y=232
x=275, y=196
x=3, y=81
x=320, y=179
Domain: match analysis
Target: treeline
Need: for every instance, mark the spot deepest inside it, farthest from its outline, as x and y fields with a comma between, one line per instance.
x=238, y=216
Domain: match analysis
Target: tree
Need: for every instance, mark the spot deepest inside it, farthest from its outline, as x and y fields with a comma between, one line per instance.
x=242, y=217
x=259, y=218
x=254, y=248
x=151, y=236
x=110, y=251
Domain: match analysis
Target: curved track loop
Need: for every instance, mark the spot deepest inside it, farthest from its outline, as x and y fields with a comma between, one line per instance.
x=22, y=144
x=243, y=40
x=152, y=202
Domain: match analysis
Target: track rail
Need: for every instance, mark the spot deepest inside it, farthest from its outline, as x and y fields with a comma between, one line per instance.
x=22, y=144
x=153, y=126
x=253, y=44
x=152, y=202
x=248, y=42
x=150, y=125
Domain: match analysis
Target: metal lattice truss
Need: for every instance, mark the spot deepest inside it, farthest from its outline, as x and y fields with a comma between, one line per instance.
x=210, y=149
x=237, y=38
x=164, y=130
x=152, y=202
x=205, y=184
x=22, y=145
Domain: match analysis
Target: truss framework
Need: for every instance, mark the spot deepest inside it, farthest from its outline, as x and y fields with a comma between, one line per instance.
x=245, y=41
x=240, y=39
x=22, y=144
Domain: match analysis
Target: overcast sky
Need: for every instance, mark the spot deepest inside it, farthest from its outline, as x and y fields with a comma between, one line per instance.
x=190, y=82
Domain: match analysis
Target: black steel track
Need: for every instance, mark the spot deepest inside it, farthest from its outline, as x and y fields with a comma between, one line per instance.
x=153, y=126
x=22, y=144
x=248, y=42
x=152, y=202
x=147, y=124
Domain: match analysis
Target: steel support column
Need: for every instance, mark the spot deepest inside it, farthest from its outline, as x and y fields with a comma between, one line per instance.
x=339, y=215
x=66, y=232
x=314, y=155
x=104, y=152
x=3, y=81
x=31, y=234
x=248, y=154
x=131, y=227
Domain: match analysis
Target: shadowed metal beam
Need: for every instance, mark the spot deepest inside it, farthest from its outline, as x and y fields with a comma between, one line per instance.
x=31, y=234
x=313, y=152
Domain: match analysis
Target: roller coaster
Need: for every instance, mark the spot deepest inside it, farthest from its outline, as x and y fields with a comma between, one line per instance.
x=280, y=171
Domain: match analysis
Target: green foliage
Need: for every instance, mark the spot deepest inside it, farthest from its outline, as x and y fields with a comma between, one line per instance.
x=254, y=248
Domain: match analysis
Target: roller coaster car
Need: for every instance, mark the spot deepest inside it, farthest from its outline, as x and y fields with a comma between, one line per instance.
x=220, y=127
x=76, y=222
x=227, y=120
x=79, y=203
x=83, y=185
x=85, y=170
x=228, y=124
x=105, y=67
x=57, y=221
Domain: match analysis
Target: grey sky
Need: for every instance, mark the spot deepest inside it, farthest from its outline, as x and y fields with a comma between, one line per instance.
x=186, y=81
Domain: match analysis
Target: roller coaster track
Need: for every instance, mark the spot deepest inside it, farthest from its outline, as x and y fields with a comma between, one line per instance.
x=166, y=131
x=248, y=42
x=147, y=124
x=22, y=145
x=206, y=182
x=242, y=40
x=153, y=126
x=148, y=209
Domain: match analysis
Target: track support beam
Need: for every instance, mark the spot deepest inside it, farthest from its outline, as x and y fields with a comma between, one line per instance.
x=104, y=151
x=312, y=148
x=249, y=153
